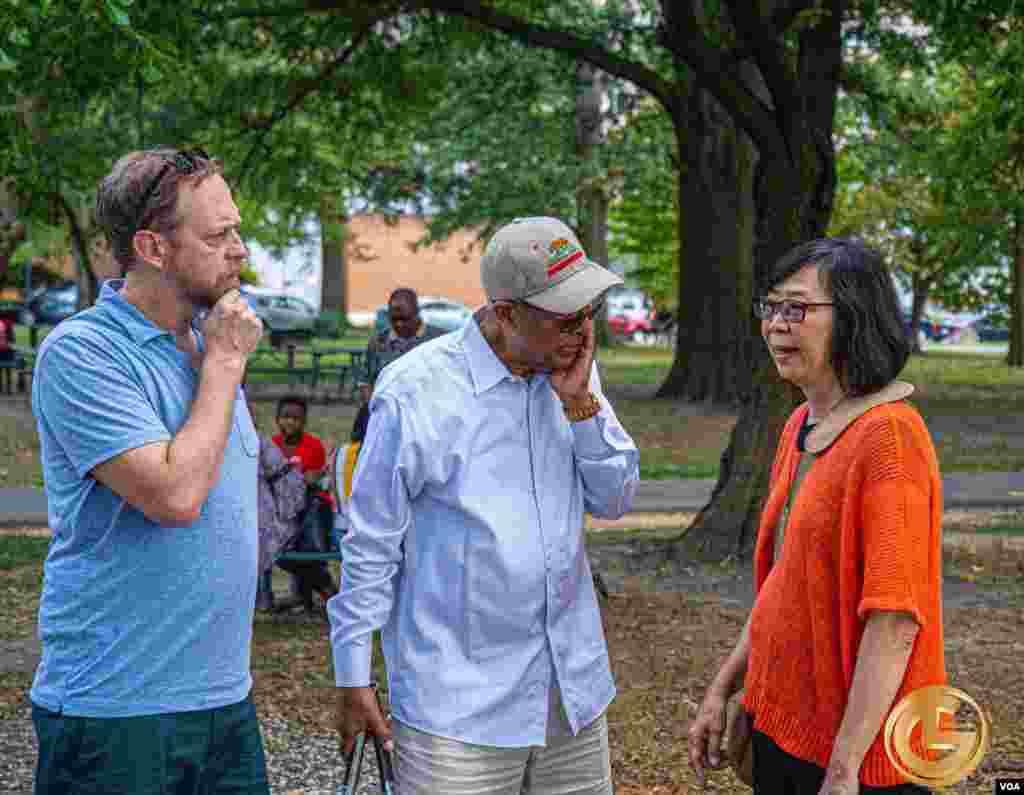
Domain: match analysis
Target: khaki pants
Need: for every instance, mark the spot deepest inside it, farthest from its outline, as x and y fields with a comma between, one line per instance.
x=427, y=765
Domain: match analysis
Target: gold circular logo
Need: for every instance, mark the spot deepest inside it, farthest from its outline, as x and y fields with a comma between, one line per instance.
x=951, y=750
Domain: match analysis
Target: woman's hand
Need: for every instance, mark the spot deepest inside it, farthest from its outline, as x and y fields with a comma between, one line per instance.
x=840, y=780
x=706, y=734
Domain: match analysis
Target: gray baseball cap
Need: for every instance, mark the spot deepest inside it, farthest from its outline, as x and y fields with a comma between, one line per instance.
x=539, y=260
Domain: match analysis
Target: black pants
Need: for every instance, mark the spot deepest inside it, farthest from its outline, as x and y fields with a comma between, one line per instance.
x=312, y=575
x=779, y=773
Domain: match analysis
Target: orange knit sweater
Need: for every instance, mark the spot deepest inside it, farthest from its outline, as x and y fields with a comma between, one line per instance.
x=864, y=534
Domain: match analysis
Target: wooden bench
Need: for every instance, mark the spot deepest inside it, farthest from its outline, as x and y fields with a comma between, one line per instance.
x=333, y=554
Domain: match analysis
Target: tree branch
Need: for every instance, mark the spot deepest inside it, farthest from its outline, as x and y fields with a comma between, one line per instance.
x=291, y=10
x=303, y=93
x=534, y=35
x=761, y=37
x=720, y=75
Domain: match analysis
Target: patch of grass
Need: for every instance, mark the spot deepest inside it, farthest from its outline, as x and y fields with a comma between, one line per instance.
x=622, y=365
x=1001, y=529
x=676, y=440
x=658, y=464
x=971, y=403
x=18, y=550
x=19, y=452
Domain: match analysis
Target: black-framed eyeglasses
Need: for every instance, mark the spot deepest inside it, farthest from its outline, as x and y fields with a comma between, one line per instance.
x=186, y=161
x=571, y=320
x=790, y=311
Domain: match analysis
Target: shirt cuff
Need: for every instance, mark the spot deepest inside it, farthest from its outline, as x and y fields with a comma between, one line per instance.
x=353, y=663
x=588, y=437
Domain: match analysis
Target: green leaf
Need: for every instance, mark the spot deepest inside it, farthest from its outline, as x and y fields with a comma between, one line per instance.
x=7, y=64
x=116, y=13
x=151, y=73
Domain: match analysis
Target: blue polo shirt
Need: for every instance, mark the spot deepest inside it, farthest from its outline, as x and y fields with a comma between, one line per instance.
x=135, y=618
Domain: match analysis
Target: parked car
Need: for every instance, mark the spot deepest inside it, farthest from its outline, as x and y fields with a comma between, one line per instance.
x=933, y=330
x=992, y=328
x=48, y=306
x=440, y=312
x=631, y=314
x=283, y=315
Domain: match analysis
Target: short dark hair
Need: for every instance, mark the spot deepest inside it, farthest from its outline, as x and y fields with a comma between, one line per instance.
x=405, y=294
x=130, y=182
x=869, y=343
x=293, y=400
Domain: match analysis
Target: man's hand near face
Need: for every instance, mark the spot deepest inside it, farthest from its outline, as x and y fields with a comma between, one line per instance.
x=232, y=330
x=572, y=384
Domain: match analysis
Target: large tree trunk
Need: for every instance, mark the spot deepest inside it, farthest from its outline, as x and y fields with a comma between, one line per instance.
x=1015, y=356
x=794, y=187
x=716, y=273
x=334, y=277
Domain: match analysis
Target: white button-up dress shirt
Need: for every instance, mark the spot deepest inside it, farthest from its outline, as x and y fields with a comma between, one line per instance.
x=465, y=546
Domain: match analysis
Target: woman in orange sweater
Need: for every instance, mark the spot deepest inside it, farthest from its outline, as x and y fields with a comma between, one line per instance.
x=847, y=566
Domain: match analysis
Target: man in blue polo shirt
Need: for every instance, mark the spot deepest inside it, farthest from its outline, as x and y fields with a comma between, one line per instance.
x=149, y=458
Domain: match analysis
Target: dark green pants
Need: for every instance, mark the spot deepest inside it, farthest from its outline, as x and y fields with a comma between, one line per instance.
x=206, y=752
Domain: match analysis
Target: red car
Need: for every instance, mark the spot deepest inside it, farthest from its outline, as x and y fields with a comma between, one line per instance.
x=631, y=314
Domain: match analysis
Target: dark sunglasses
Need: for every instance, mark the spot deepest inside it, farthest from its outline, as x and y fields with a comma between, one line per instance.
x=186, y=161
x=572, y=319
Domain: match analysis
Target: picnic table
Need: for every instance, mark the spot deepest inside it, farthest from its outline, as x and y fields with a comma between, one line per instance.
x=326, y=367
x=343, y=371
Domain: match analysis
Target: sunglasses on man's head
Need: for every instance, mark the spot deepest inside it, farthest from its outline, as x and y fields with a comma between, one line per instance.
x=185, y=161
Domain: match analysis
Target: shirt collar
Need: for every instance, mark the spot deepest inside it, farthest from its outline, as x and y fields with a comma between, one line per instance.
x=138, y=326
x=825, y=433
x=485, y=368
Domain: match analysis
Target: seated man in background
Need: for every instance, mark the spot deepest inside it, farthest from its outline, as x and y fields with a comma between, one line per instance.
x=407, y=330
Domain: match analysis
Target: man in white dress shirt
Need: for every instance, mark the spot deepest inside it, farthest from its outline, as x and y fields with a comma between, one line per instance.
x=465, y=545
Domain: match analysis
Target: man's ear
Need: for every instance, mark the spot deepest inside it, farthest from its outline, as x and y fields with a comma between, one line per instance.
x=150, y=247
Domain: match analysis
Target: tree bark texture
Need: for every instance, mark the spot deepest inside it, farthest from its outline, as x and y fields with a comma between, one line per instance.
x=335, y=268
x=591, y=193
x=1015, y=355
x=716, y=234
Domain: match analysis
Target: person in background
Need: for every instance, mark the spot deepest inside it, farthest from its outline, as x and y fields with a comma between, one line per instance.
x=149, y=459
x=407, y=330
x=465, y=541
x=848, y=614
x=307, y=454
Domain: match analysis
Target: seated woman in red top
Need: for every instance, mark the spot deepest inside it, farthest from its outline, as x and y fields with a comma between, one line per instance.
x=848, y=614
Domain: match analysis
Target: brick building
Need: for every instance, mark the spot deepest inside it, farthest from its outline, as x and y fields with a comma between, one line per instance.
x=381, y=256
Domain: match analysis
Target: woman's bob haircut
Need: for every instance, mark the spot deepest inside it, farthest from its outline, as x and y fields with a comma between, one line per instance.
x=869, y=344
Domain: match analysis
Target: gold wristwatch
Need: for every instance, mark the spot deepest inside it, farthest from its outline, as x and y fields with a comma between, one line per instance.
x=580, y=410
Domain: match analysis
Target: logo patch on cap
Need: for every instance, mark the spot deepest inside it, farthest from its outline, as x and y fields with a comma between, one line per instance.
x=561, y=254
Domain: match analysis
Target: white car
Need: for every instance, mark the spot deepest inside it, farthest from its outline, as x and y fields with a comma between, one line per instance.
x=440, y=312
x=283, y=314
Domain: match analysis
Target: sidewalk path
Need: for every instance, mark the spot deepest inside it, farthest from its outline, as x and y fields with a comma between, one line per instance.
x=986, y=490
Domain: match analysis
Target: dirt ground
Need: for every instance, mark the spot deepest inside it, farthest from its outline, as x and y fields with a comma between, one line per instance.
x=668, y=627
